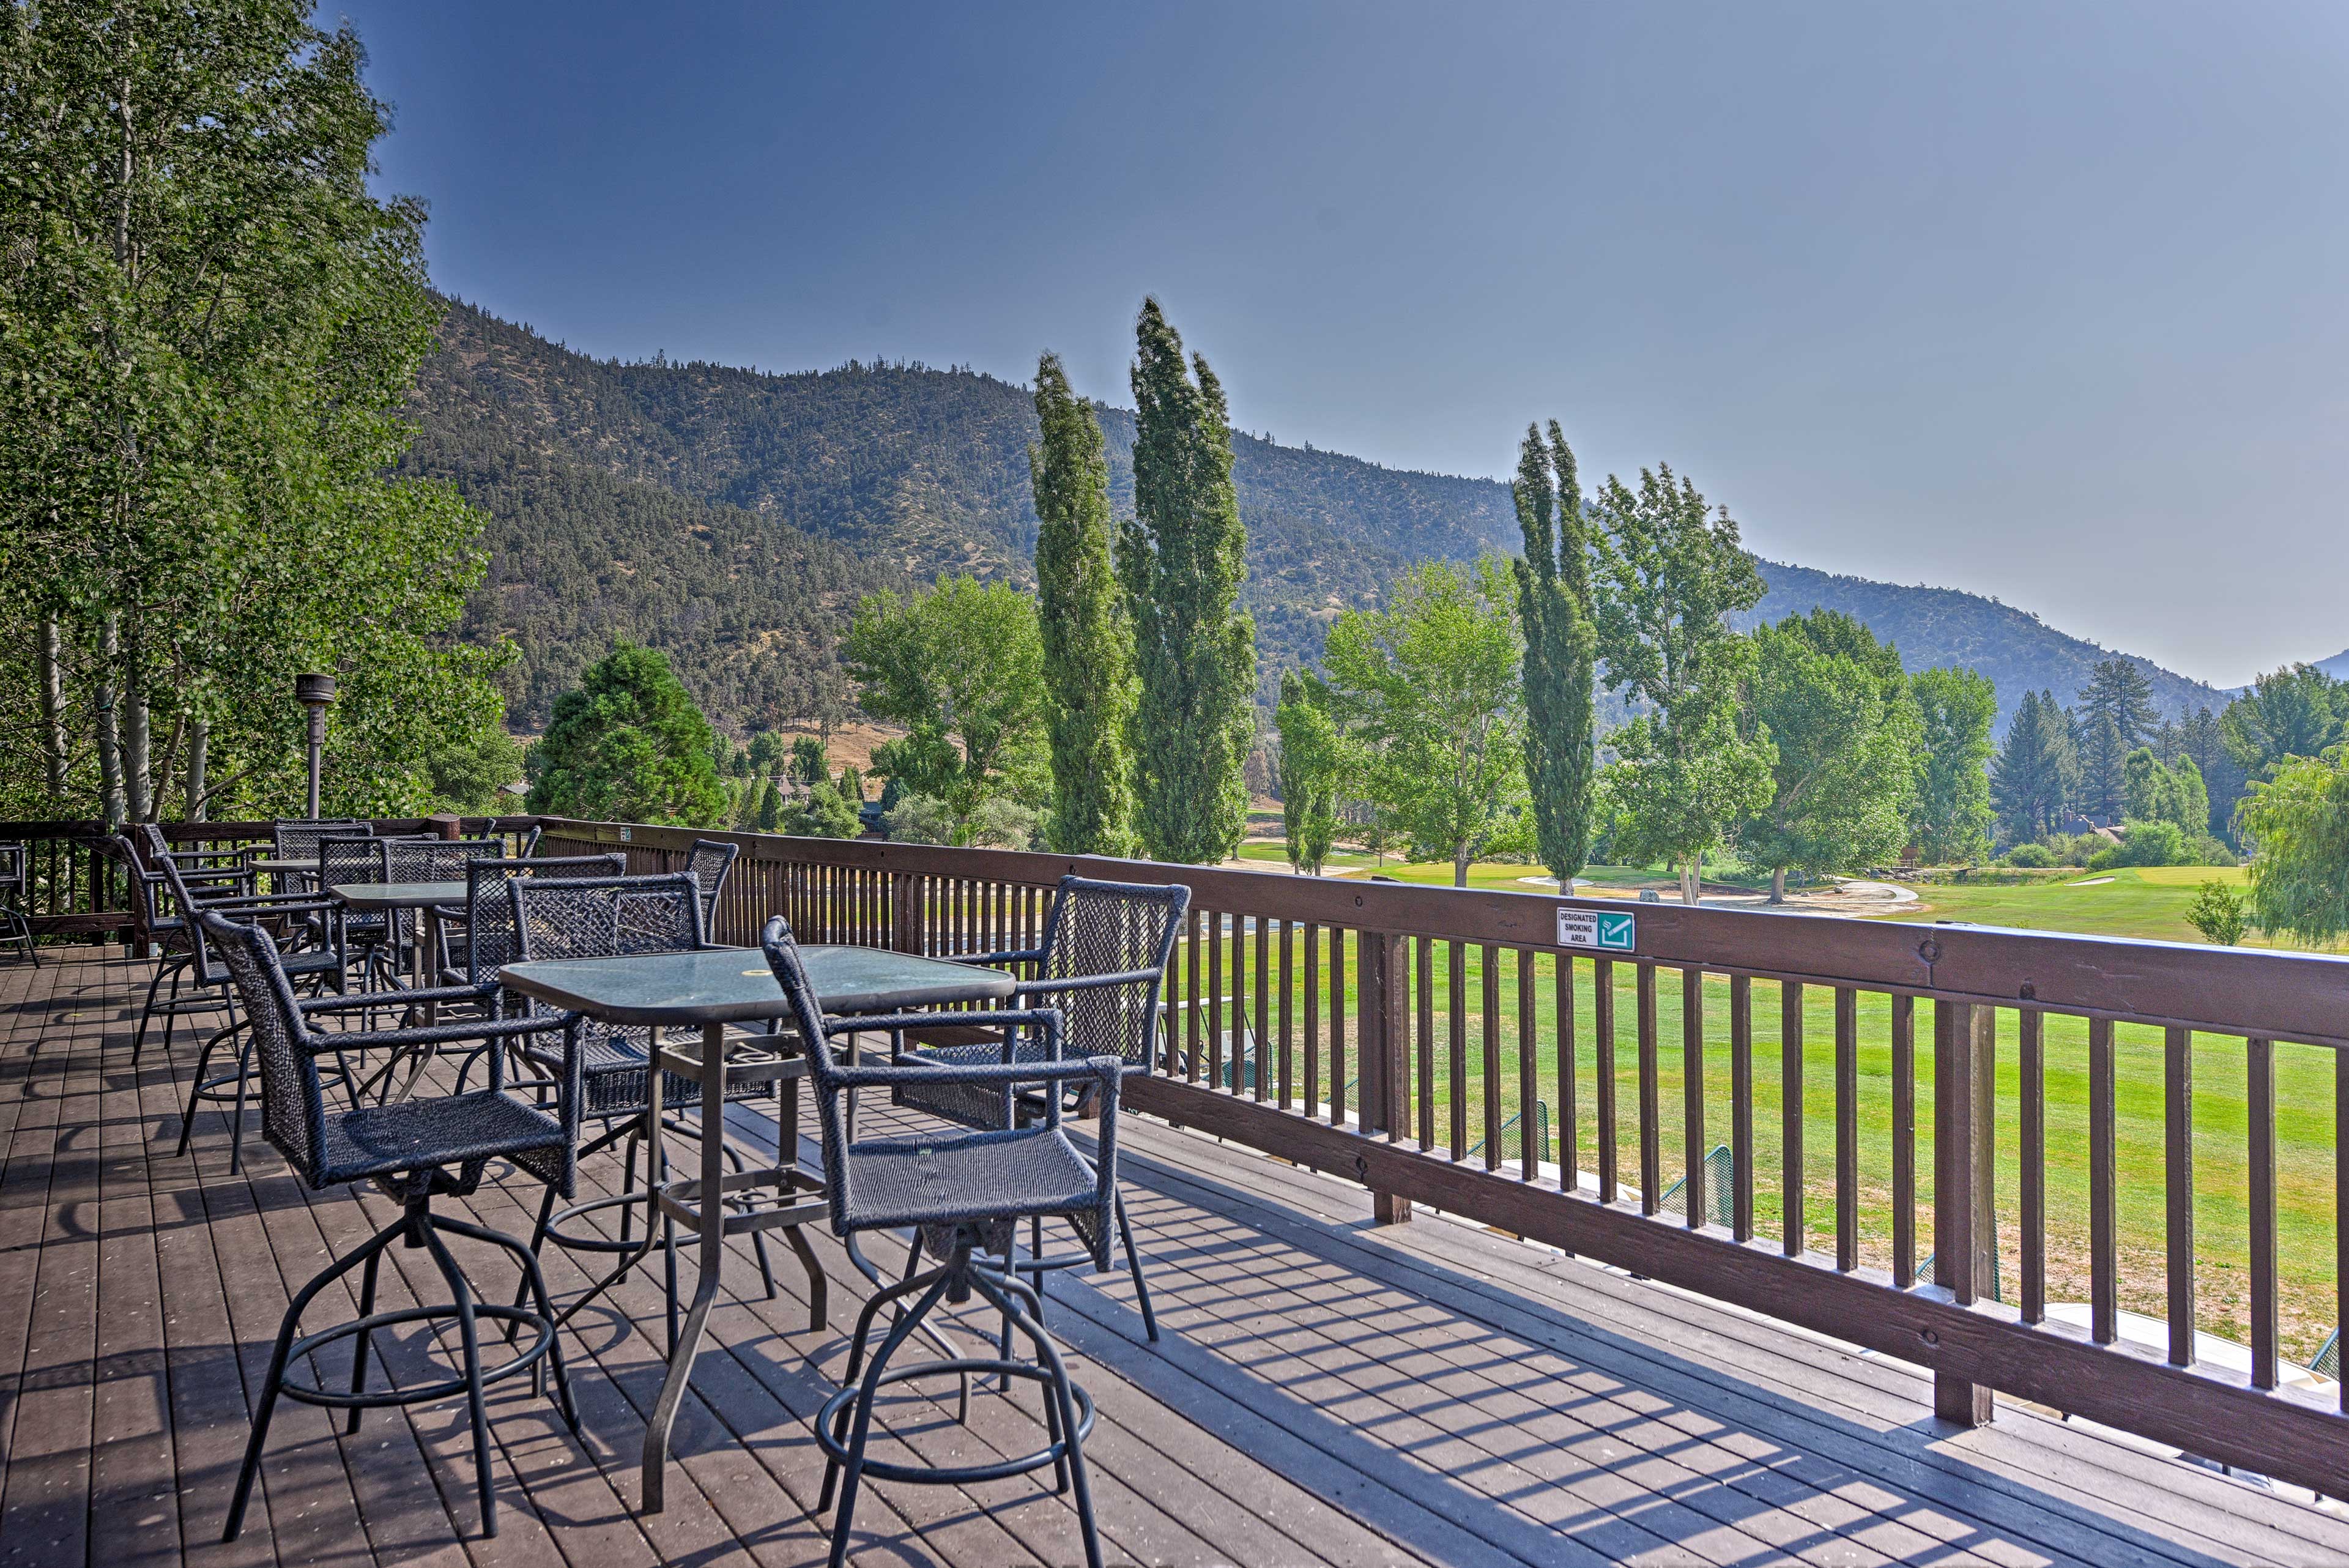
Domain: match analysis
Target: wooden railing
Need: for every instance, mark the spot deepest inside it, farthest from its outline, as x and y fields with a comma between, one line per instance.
x=2131, y=1125
x=78, y=888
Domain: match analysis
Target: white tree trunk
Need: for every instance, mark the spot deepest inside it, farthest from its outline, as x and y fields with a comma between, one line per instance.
x=137, y=754
x=199, y=740
x=110, y=738
x=1779, y=885
x=53, y=712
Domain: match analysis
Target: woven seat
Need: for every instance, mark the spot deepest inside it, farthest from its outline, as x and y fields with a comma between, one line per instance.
x=381, y=1140
x=415, y=1150
x=911, y=1183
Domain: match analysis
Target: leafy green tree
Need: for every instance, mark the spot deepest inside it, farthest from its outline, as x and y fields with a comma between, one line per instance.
x=2155, y=843
x=2221, y=913
x=2204, y=739
x=1561, y=633
x=468, y=776
x=1088, y=639
x=1309, y=762
x=769, y=816
x=2037, y=771
x=850, y=783
x=1667, y=576
x=2118, y=690
x=1834, y=705
x=961, y=667
x=809, y=765
x=766, y=748
x=628, y=745
x=209, y=332
x=2298, y=819
x=1429, y=690
x=824, y=813
x=1182, y=558
x=2296, y=711
x=2172, y=794
x=1951, y=820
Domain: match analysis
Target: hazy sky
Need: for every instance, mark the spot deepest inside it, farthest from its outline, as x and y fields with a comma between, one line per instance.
x=2045, y=302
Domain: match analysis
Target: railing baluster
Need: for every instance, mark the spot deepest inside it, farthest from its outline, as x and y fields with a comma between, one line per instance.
x=1489, y=975
x=1693, y=1092
x=1790, y=1117
x=1847, y=1114
x=1214, y=999
x=1602, y=1023
x=1456, y=1035
x=2260, y=1107
x=1741, y=1105
x=2341, y=1198
x=2178, y=1183
x=1337, y=1026
x=1529, y=1148
x=1288, y=1014
x=1312, y=1106
x=1569, y=1134
x=1904, y=1141
x=2103, y=1271
x=2034, y=1071
x=1191, y=997
x=1651, y=1151
x=1424, y=1051
x=1258, y=1026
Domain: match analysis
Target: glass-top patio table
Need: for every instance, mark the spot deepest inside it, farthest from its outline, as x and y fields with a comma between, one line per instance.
x=711, y=989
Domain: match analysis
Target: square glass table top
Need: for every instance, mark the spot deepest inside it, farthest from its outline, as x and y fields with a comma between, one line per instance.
x=726, y=985
x=399, y=895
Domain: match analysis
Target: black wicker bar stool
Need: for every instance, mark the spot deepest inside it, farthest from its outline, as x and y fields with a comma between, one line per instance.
x=1103, y=962
x=963, y=1194
x=16, y=898
x=414, y=1150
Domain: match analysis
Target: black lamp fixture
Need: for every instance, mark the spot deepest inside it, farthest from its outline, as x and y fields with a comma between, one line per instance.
x=314, y=693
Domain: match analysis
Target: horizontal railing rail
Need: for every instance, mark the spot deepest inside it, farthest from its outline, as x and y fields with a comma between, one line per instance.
x=2150, y=1129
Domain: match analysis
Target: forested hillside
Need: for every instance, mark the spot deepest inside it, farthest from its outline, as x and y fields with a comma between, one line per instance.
x=1934, y=626
x=730, y=517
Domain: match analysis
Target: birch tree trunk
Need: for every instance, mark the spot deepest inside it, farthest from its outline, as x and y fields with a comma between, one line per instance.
x=109, y=739
x=137, y=761
x=53, y=712
x=200, y=736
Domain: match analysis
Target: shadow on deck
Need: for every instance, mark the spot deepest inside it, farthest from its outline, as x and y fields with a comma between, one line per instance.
x=1324, y=1391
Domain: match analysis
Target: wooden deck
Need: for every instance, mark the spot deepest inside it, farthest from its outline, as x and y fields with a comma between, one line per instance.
x=1326, y=1392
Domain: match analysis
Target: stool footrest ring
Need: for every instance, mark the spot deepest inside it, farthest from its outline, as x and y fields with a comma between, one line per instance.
x=1051, y=1453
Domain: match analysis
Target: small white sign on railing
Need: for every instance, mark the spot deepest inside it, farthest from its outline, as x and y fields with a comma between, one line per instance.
x=1604, y=929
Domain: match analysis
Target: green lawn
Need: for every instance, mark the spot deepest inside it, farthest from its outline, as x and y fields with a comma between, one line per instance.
x=2135, y=903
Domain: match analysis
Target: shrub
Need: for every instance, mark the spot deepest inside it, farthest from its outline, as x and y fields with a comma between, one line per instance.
x=2221, y=913
x=2035, y=856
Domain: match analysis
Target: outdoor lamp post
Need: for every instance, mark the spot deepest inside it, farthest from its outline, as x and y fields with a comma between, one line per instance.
x=314, y=693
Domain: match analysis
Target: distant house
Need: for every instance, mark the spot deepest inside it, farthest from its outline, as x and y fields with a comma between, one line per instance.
x=2075, y=824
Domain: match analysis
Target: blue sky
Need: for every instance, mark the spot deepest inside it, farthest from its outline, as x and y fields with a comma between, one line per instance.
x=2045, y=302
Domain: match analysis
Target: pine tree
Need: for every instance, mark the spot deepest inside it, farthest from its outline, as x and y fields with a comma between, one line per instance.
x=2104, y=767
x=1553, y=605
x=2118, y=690
x=2036, y=772
x=1182, y=558
x=1087, y=642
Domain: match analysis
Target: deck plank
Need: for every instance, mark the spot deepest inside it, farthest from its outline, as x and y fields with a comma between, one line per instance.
x=1325, y=1392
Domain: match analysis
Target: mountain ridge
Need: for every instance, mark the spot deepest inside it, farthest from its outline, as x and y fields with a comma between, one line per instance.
x=730, y=516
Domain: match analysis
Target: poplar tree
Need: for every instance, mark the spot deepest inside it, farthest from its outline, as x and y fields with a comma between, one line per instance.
x=1088, y=641
x=1952, y=817
x=1309, y=762
x=1561, y=649
x=1182, y=558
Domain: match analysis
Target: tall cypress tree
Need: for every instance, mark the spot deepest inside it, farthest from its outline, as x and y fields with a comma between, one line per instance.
x=1182, y=558
x=1088, y=643
x=1561, y=649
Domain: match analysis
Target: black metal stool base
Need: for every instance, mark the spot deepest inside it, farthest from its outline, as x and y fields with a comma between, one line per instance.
x=418, y=1229
x=843, y=1426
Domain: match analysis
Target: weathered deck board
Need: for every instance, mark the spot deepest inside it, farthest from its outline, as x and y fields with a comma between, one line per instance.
x=1325, y=1392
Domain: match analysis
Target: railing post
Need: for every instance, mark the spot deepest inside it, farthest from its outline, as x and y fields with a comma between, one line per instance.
x=447, y=826
x=1965, y=1235
x=1383, y=1014
x=906, y=912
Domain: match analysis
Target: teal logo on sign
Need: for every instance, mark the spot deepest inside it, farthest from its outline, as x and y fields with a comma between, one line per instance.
x=1601, y=928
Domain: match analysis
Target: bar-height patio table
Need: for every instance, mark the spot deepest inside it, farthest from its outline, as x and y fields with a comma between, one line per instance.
x=711, y=989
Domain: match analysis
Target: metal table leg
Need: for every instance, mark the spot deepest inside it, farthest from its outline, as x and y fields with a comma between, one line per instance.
x=710, y=1264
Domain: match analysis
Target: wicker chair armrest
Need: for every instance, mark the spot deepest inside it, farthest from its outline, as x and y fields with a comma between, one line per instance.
x=439, y=1034
x=269, y=904
x=377, y=1000
x=1084, y=982
x=1106, y=1071
x=897, y=1022
x=1022, y=955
